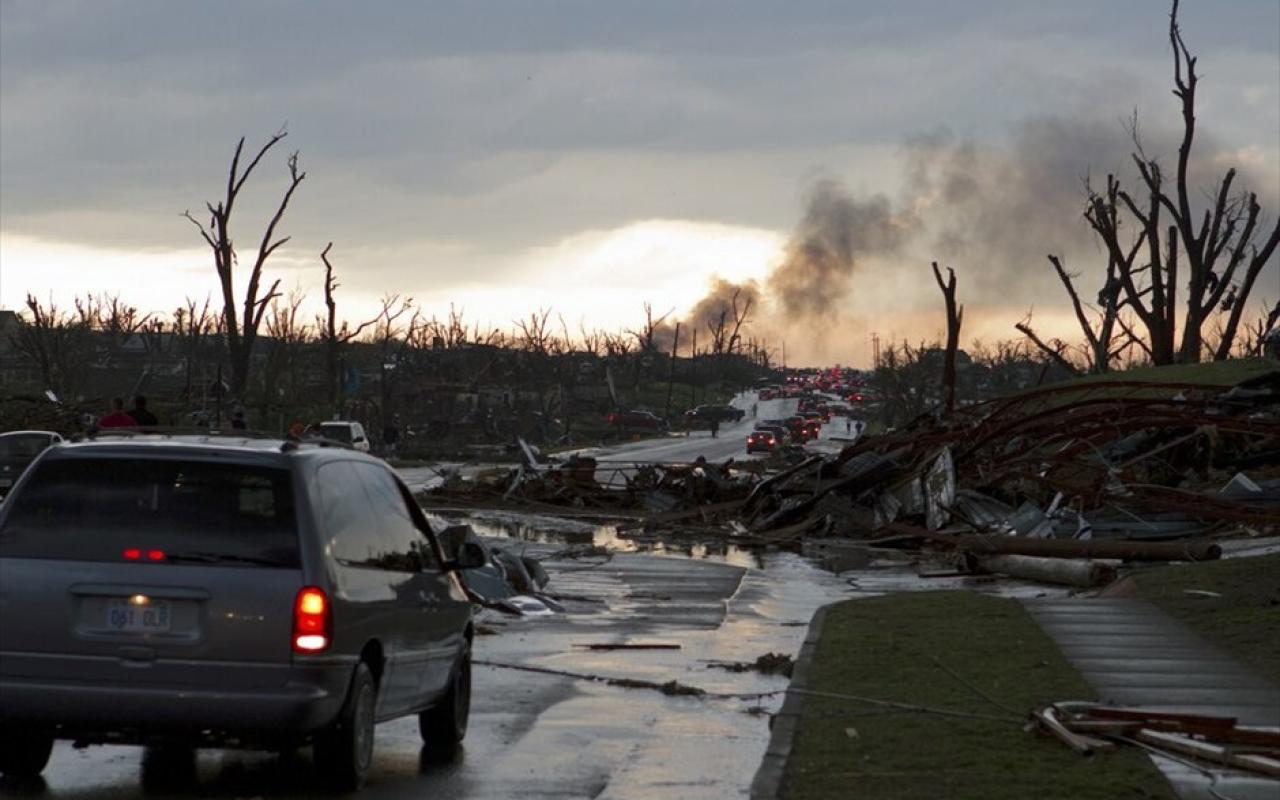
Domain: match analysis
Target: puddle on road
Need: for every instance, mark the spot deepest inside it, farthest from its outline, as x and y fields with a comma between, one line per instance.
x=554, y=531
x=866, y=582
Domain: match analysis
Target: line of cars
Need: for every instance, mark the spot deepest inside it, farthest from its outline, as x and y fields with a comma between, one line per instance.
x=771, y=434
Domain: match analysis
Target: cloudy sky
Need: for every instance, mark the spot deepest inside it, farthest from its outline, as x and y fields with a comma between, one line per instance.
x=589, y=156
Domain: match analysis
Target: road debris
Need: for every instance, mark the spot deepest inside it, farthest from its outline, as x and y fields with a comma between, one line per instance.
x=507, y=581
x=627, y=645
x=767, y=664
x=1220, y=741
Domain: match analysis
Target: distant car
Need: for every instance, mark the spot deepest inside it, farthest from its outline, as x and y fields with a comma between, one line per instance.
x=711, y=413
x=762, y=441
x=347, y=432
x=645, y=420
x=190, y=591
x=776, y=427
x=17, y=450
x=795, y=426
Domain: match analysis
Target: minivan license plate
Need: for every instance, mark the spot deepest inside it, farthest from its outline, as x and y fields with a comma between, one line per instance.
x=128, y=617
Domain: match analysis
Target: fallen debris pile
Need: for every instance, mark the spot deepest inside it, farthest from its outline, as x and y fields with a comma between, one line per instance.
x=647, y=491
x=1099, y=470
x=1220, y=741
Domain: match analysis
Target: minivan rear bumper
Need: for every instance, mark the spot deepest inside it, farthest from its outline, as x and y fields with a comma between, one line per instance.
x=117, y=712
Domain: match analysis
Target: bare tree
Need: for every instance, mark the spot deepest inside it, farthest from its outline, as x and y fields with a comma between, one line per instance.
x=955, y=316
x=645, y=337
x=193, y=328
x=289, y=336
x=242, y=325
x=58, y=344
x=333, y=336
x=534, y=335
x=1054, y=349
x=593, y=340
x=1224, y=252
x=386, y=335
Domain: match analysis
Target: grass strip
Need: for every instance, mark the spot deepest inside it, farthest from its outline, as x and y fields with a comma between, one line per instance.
x=1243, y=619
x=977, y=656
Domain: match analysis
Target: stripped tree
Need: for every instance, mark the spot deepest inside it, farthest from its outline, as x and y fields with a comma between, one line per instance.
x=241, y=324
x=1222, y=249
x=333, y=336
x=955, y=316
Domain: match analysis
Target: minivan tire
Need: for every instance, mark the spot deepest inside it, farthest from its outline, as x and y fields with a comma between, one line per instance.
x=168, y=768
x=344, y=752
x=444, y=726
x=23, y=754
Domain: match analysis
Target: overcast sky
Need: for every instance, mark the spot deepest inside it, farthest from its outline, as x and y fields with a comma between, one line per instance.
x=591, y=156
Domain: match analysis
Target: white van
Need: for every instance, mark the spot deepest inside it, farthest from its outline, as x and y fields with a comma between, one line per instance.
x=347, y=432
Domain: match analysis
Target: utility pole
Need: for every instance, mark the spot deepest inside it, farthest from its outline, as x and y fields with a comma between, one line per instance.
x=671, y=376
x=875, y=350
x=693, y=364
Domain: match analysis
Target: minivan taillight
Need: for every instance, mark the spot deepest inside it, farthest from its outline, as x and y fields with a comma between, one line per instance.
x=312, y=620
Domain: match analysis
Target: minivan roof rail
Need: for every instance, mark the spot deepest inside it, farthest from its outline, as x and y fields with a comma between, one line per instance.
x=163, y=430
x=288, y=442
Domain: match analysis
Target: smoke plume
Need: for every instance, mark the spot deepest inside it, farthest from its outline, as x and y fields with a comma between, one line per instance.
x=835, y=232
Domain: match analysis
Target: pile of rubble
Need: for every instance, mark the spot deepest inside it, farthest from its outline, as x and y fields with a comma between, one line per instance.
x=582, y=483
x=1104, y=469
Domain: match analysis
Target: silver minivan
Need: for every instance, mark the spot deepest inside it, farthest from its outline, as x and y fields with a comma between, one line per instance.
x=187, y=591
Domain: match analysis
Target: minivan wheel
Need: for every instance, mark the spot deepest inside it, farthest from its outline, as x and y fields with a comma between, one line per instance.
x=444, y=726
x=168, y=767
x=344, y=753
x=23, y=754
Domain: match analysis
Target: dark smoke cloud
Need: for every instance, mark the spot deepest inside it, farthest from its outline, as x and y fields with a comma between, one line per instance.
x=995, y=212
x=720, y=300
x=835, y=232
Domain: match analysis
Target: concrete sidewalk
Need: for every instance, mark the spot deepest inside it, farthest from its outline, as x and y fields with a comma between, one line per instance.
x=1133, y=654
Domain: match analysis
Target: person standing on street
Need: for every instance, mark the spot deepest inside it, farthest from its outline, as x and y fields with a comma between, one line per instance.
x=116, y=417
x=140, y=414
x=715, y=427
x=390, y=436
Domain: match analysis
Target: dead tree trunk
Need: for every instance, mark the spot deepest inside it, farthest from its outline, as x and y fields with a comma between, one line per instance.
x=242, y=326
x=1222, y=255
x=333, y=336
x=955, y=316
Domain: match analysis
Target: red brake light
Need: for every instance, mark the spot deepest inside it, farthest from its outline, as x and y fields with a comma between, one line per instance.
x=155, y=555
x=131, y=554
x=311, y=620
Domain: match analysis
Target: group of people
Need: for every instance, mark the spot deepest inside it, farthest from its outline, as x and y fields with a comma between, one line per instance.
x=137, y=417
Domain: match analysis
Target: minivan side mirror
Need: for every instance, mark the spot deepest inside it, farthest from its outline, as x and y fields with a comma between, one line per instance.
x=470, y=556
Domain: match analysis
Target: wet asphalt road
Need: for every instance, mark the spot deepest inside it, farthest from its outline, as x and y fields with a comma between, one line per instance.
x=534, y=735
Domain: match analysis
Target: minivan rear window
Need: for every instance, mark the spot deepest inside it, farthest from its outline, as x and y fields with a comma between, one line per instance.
x=189, y=512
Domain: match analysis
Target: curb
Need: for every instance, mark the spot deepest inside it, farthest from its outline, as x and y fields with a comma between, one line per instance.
x=768, y=780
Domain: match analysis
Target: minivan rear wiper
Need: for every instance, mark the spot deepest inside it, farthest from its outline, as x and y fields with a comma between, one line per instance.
x=224, y=558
